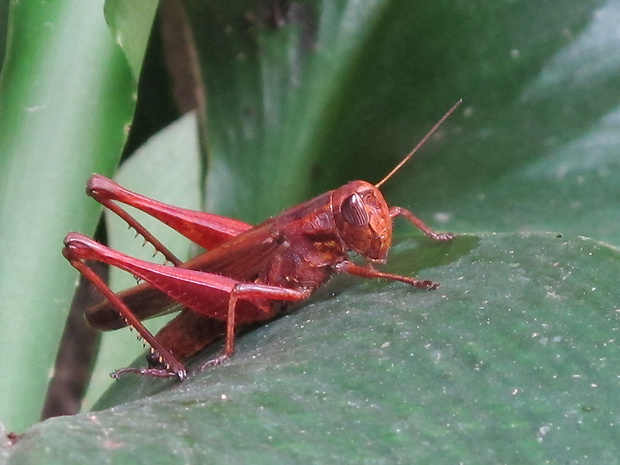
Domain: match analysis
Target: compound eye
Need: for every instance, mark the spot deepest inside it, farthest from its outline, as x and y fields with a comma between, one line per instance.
x=354, y=211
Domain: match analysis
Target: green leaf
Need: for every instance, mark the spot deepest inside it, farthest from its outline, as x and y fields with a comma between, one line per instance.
x=65, y=104
x=512, y=360
x=131, y=24
x=303, y=100
x=537, y=144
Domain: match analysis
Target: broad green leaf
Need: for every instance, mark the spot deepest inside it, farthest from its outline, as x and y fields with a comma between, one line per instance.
x=303, y=99
x=65, y=104
x=537, y=144
x=512, y=360
x=131, y=23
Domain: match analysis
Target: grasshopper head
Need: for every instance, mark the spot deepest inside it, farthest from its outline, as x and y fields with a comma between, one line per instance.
x=363, y=219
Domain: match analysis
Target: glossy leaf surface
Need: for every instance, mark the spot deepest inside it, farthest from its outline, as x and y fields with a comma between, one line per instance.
x=512, y=360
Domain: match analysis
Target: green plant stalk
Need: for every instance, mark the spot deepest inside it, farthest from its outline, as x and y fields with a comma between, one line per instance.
x=66, y=99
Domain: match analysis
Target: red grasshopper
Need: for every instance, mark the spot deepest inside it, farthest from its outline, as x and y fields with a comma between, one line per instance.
x=247, y=273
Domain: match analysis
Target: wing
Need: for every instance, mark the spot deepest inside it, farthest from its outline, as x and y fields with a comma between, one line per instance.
x=241, y=258
x=145, y=300
x=244, y=256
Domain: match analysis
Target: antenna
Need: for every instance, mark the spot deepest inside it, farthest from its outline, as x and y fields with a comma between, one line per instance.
x=421, y=143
